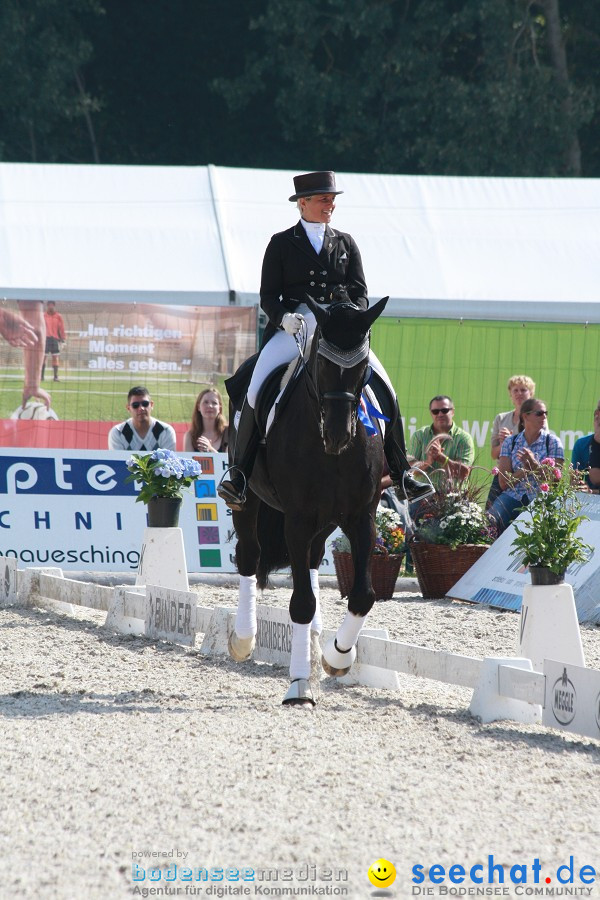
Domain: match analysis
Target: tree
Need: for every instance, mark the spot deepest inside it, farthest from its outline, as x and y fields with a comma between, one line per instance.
x=43, y=51
x=471, y=87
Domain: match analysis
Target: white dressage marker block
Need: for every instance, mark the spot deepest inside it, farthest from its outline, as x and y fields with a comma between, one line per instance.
x=368, y=674
x=127, y=611
x=162, y=560
x=488, y=704
x=572, y=698
x=170, y=615
x=549, y=628
x=8, y=581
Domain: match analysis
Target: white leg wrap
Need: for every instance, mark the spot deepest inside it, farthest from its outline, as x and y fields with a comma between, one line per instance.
x=300, y=661
x=317, y=622
x=245, y=619
x=347, y=633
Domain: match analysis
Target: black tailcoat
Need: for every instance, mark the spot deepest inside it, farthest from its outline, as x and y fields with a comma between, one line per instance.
x=293, y=271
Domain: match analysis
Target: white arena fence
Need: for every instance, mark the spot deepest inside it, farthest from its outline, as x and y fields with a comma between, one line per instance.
x=562, y=696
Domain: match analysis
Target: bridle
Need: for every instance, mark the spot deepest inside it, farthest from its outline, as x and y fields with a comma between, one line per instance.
x=345, y=359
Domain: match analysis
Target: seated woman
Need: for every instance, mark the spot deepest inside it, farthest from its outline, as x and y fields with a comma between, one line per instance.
x=520, y=456
x=520, y=388
x=209, y=431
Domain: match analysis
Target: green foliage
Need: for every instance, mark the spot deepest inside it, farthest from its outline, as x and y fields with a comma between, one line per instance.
x=465, y=87
x=458, y=87
x=549, y=536
x=44, y=48
x=454, y=516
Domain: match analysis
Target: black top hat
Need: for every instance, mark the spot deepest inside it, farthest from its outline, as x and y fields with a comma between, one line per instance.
x=314, y=183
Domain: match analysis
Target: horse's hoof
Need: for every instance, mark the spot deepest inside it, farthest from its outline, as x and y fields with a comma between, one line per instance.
x=239, y=648
x=299, y=693
x=337, y=662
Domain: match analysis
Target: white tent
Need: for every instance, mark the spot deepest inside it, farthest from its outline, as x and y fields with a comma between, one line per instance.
x=480, y=248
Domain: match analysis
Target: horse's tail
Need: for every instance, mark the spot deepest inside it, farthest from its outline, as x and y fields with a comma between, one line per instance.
x=273, y=549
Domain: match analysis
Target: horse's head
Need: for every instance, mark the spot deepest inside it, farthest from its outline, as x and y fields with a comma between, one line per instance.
x=339, y=361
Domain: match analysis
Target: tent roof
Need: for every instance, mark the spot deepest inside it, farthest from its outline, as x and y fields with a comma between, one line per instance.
x=484, y=248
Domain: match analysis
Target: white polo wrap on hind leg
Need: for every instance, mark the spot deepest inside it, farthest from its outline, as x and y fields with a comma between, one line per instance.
x=245, y=619
x=347, y=633
x=317, y=623
x=300, y=660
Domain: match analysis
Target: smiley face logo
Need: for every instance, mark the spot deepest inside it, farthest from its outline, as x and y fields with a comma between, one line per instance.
x=381, y=873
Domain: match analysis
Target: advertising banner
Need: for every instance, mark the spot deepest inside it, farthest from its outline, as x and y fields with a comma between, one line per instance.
x=73, y=509
x=499, y=577
x=471, y=361
x=75, y=376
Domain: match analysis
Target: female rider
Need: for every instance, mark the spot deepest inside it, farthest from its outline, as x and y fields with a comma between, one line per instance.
x=310, y=260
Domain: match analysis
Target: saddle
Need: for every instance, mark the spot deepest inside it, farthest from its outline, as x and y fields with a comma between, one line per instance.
x=274, y=392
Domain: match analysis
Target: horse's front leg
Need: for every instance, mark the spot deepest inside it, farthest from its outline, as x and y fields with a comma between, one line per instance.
x=305, y=554
x=243, y=638
x=340, y=652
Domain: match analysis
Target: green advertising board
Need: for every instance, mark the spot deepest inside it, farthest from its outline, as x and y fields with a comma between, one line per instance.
x=472, y=362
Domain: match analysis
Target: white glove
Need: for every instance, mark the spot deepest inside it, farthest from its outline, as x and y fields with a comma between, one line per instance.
x=292, y=323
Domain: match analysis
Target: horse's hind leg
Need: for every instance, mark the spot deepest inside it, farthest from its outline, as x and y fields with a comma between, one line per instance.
x=243, y=637
x=340, y=651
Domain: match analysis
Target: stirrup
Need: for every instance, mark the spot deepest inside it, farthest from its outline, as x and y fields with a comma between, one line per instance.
x=227, y=491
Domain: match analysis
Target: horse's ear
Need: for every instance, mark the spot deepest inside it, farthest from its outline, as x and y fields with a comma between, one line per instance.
x=373, y=312
x=320, y=313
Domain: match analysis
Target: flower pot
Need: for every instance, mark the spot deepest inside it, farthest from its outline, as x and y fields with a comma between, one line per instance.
x=439, y=567
x=163, y=512
x=384, y=573
x=544, y=575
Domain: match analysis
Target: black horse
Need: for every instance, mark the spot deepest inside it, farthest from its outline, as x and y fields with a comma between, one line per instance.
x=317, y=469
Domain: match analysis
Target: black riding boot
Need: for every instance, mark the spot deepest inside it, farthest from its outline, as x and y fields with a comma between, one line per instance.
x=406, y=485
x=234, y=483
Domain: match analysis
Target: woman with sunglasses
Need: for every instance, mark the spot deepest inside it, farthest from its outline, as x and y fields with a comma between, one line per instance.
x=141, y=431
x=520, y=456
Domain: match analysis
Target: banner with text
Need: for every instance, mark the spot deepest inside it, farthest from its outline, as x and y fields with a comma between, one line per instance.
x=66, y=368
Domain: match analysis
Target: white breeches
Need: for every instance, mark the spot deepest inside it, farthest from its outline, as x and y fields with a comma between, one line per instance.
x=282, y=349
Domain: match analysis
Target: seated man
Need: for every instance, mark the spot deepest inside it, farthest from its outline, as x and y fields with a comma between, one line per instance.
x=442, y=446
x=141, y=431
x=586, y=455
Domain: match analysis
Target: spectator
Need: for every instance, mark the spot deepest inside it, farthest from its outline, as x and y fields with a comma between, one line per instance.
x=584, y=455
x=209, y=432
x=520, y=388
x=141, y=431
x=442, y=446
x=55, y=336
x=520, y=456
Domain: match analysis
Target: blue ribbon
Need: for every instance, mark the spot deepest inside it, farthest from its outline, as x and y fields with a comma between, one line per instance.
x=366, y=413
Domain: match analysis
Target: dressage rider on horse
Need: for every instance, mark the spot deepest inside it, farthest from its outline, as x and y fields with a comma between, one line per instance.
x=310, y=260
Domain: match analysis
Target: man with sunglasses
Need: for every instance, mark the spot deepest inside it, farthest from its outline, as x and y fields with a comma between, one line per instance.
x=141, y=431
x=442, y=446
